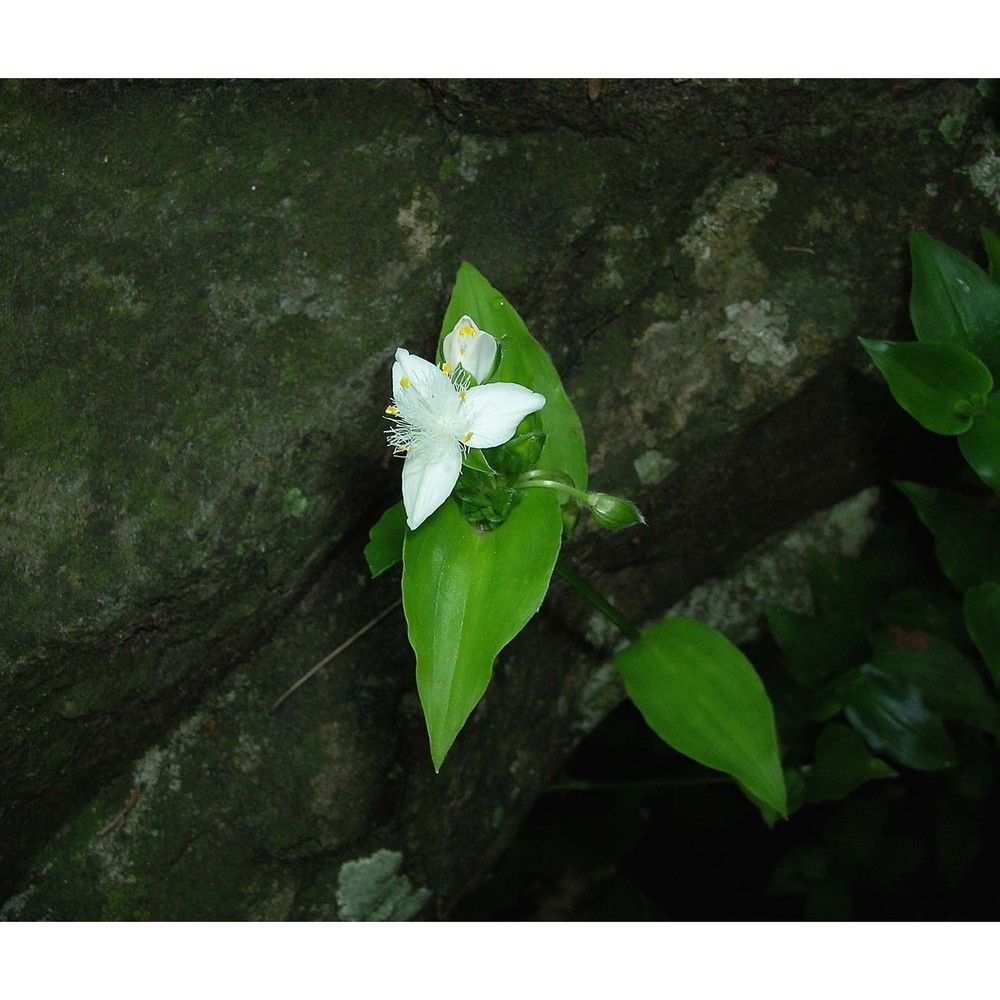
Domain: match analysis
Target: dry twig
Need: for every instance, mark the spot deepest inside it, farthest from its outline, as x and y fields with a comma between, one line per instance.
x=347, y=643
x=121, y=814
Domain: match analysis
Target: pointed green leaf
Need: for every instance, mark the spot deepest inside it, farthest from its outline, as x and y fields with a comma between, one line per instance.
x=385, y=545
x=982, y=619
x=466, y=594
x=701, y=695
x=524, y=361
x=981, y=444
x=954, y=300
x=891, y=715
x=966, y=534
x=843, y=763
x=939, y=384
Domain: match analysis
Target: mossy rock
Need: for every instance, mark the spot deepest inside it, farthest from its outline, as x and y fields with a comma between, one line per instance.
x=202, y=288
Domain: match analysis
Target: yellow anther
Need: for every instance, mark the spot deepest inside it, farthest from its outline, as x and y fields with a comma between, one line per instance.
x=446, y=368
x=467, y=438
x=404, y=382
x=461, y=395
x=392, y=410
x=467, y=331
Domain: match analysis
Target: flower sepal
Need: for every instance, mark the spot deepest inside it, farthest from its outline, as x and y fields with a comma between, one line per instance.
x=485, y=502
x=519, y=455
x=474, y=458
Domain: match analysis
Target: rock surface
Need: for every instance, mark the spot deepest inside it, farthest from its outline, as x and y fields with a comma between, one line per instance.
x=203, y=288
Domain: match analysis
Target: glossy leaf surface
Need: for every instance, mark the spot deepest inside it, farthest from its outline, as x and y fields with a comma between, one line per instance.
x=701, y=695
x=938, y=384
x=466, y=594
x=980, y=444
x=954, y=300
x=524, y=361
x=889, y=712
x=948, y=683
x=982, y=618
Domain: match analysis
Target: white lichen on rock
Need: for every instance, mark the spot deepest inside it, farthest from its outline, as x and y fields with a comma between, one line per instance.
x=371, y=889
x=652, y=467
x=419, y=221
x=757, y=333
x=473, y=152
x=741, y=206
x=985, y=177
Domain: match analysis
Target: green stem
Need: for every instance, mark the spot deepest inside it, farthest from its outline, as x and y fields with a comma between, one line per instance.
x=542, y=479
x=609, y=611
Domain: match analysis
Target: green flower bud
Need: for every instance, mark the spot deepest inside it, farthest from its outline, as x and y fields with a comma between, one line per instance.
x=614, y=512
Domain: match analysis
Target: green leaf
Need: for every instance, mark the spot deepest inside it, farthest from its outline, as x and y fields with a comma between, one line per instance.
x=385, y=545
x=982, y=618
x=940, y=385
x=817, y=648
x=953, y=300
x=842, y=586
x=843, y=763
x=966, y=534
x=981, y=444
x=890, y=714
x=701, y=695
x=948, y=683
x=466, y=594
x=524, y=361
x=992, y=243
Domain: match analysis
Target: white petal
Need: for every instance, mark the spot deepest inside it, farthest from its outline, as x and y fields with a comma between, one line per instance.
x=480, y=356
x=475, y=351
x=496, y=410
x=429, y=476
x=416, y=370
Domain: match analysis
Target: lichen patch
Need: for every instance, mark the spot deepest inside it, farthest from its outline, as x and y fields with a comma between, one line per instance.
x=757, y=334
x=372, y=889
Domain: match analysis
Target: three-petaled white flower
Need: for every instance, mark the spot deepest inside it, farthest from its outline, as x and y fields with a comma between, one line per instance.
x=437, y=419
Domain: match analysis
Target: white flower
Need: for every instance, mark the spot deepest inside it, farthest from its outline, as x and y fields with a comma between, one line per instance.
x=435, y=420
x=474, y=349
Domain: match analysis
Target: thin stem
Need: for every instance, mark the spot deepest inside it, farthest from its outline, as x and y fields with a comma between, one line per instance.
x=545, y=480
x=609, y=611
x=340, y=649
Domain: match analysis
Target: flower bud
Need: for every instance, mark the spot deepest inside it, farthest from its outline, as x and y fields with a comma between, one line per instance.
x=614, y=512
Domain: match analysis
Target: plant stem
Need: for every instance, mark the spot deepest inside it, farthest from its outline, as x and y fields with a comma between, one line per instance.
x=610, y=612
x=536, y=481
